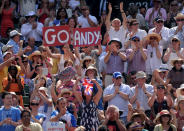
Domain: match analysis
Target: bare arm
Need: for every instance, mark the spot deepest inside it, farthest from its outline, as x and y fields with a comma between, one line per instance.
x=167, y=55
x=159, y=55
x=122, y=56
x=106, y=58
x=123, y=16
x=77, y=95
x=108, y=19
x=98, y=94
x=152, y=100
x=144, y=55
x=2, y=6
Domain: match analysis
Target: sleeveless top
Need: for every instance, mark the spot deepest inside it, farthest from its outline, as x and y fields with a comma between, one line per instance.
x=89, y=116
x=180, y=121
x=157, y=107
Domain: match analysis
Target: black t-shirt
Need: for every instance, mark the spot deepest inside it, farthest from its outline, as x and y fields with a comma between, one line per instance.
x=112, y=126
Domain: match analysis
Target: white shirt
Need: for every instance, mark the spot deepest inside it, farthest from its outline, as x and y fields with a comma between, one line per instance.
x=120, y=34
x=153, y=62
x=27, y=31
x=180, y=35
x=140, y=33
x=84, y=22
x=164, y=42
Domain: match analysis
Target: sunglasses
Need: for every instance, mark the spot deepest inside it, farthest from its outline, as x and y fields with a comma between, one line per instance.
x=34, y=104
x=87, y=60
x=174, y=5
x=175, y=40
x=160, y=87
x=24, y=61
x=180, y=20
x=30, y=16
x=178, y=62
x=153, y=38
x=84, y=9
x=136, y=40
x=160, y=21
x=118, y=78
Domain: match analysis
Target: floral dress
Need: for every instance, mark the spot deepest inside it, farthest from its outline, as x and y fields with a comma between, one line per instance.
x=89, y=116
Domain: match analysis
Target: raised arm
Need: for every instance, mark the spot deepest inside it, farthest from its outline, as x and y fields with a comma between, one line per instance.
x=108, y=19
x=2, y=6
x=123, y=16
x=98, y=94
x=77, y=95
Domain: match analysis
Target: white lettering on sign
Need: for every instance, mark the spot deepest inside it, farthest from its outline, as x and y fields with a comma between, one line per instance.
x=86, y=38
x=67, y=36
x=53, y=37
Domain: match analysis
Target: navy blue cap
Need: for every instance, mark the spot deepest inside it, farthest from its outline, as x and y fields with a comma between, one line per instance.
x=135, y=37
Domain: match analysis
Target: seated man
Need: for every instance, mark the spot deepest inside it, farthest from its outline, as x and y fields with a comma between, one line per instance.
x=9, y=115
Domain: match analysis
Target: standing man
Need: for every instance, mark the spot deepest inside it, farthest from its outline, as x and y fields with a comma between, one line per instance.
x=114, y=60
x=179, y=29
x=116, y=30
x=32, y=28
x=118, y=94
x=9, y=115
x=14, y=41
x=141, y=92
x=87, y=20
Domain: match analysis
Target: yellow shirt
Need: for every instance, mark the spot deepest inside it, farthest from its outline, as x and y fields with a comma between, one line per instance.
x=55, y=66
x=3, y=74
x=32, y=126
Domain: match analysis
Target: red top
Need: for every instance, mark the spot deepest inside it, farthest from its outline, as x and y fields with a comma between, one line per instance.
x=42, y=17
x=6, y=21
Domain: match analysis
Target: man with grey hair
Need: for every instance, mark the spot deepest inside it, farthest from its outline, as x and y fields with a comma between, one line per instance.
x=112, y=120
x=114, y=28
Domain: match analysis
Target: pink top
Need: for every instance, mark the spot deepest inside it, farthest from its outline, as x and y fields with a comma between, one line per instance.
x=155, y=14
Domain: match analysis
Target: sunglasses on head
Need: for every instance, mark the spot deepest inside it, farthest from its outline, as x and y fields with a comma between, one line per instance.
x=34, y=104
x=175, y=40
x=135, y=23
x=180, y=20
x=136, y=40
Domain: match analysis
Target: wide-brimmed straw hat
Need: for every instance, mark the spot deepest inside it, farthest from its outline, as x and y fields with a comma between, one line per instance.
x=91, y=67
x=142, y=116
x=65, y=90
x=179, y=15
x=153, y=35
x=162, y=113
x=35, y=53
x=140, y=74
x=176, y=60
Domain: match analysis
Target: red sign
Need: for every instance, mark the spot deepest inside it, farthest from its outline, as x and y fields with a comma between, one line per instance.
x=86, y=36
x=60, y=35
x=56, y=35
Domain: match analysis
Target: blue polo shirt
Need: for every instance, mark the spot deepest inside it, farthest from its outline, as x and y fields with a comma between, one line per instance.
x=13, y=113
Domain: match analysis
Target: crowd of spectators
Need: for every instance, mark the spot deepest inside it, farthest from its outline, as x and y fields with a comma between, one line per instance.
x=133, y=80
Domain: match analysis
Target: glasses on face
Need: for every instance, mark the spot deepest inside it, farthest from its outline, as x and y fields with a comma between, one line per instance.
x=25, y=61
x=153, y=38
x=84, y=9
x=160, y=87
x=118, y=78
x=175, y=40
x=160, y=22
x=87, y=60
x=174, y=5
x=178, y=20
x=179, y=62
x=30, y=16
x=34, y=104
x=136, y=40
